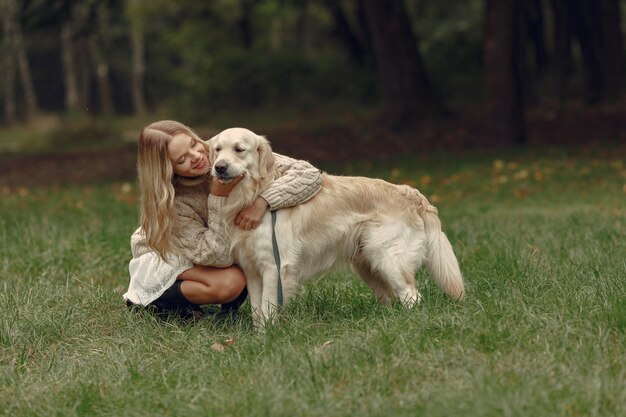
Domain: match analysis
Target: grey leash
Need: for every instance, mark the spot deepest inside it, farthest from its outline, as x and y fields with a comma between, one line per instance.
x=279, y=288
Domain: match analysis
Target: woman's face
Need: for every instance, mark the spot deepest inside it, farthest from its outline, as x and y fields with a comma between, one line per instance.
x=189, y=157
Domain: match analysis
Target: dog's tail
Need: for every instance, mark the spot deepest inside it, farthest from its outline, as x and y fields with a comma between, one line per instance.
x=440, y=260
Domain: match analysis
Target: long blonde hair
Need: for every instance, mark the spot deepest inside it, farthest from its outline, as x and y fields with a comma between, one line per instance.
x=156, y=178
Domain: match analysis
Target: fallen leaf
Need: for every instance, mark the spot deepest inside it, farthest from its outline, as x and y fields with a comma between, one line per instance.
x=218, y=347
x=231, y=341
x=521, y=175
x=519, y=193
x=498, y=165
x=395, y=173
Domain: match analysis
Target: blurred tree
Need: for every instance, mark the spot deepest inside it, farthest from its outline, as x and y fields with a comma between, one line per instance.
x=69, y=23
x=136, y=16
x=562, y=34
x=535, y=28
x=595, y=25
x=406, y=86
x=14, y=52
x=504, y=70
x=353, y=44
x=8, y=63
x=99, y=44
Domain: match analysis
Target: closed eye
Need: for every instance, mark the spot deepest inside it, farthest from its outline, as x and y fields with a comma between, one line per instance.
x=239, y=149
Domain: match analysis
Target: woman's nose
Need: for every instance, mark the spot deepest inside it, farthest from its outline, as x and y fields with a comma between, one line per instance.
x=195, y=155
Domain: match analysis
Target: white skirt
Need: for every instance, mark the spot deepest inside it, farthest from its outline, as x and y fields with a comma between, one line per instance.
x=150, y=276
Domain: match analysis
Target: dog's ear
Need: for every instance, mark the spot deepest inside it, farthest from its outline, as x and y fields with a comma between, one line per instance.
x=266, y=158
x=209, y=147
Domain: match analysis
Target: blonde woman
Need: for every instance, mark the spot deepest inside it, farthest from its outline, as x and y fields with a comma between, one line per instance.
x=181, y=251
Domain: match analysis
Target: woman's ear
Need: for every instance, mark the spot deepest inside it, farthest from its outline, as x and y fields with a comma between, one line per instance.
x=266, y=158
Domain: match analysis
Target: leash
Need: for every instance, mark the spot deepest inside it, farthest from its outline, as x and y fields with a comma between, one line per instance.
x=279, y=288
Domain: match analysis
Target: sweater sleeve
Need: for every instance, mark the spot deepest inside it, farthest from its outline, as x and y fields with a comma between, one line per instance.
x=138, y=244
x=203, y=243
x=297, y=183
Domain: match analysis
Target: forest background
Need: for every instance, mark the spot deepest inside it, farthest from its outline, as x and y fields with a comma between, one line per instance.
x=350, y=79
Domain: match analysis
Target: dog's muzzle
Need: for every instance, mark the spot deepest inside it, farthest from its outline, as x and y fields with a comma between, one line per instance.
x=221, y=171
x=221, y=168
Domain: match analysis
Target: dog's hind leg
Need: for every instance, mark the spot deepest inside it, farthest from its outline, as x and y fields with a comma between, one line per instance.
x=373, y=280
x=389, y=261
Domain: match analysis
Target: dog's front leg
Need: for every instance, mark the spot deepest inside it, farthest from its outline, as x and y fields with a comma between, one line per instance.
x=254, y=282
x=269, y=298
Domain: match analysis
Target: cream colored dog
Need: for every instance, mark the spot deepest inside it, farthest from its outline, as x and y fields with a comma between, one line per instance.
x=384, y=231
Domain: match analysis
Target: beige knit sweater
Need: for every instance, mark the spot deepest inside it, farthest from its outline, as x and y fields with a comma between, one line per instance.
x=201, y=235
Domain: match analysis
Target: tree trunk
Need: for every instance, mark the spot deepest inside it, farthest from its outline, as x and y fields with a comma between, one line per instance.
x=8, y=63
x=533, y=13
x=562, y=46
x=138, y=69
x=504, y=67
x=586, y=26
x=23, y=65
x=612, y=48
x=407, y=90
x=102, y=76
x=301, y=30
x=99, y=42
x=245, y=23
x=70, y=76
x=365, y=31
x=345, y=33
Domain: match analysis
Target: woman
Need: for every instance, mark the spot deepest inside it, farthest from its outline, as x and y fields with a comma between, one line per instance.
x=181, y=252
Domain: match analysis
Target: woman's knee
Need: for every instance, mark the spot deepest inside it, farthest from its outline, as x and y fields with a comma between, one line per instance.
x=234, y=284
x=214, y=285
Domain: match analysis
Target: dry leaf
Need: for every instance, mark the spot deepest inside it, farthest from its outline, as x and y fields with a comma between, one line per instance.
x=218, y=347
x=231, y=341
x=521, y=175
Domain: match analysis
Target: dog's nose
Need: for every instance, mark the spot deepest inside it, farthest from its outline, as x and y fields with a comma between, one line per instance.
x=221, y=167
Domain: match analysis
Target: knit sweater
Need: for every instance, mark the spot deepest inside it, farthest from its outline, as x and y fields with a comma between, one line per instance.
x=200, y=235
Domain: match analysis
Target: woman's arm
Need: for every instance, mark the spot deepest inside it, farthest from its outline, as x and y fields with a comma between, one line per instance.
x=203, y=243
x=298, y=182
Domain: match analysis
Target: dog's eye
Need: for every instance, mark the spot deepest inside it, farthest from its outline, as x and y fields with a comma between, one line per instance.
x=239, y=149
x=218, y=149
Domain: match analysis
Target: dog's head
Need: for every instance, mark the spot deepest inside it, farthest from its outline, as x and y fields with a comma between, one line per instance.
x=238, y=151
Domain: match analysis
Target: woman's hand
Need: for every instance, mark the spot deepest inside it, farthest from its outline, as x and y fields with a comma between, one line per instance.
x=250, y=217
x=220, y=189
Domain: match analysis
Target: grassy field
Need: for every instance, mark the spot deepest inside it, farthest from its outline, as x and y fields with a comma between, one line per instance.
x=541, y=239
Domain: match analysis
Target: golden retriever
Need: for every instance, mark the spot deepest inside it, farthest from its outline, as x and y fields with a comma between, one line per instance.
x=384, y=231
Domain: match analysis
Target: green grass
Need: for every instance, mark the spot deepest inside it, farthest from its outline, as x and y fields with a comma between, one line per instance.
x=541, y=239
